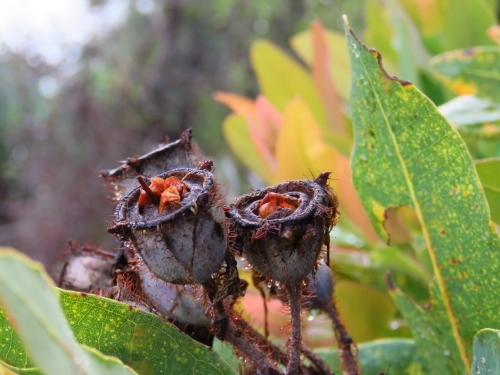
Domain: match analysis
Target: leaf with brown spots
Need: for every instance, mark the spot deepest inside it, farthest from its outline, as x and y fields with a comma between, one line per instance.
x=406, y=154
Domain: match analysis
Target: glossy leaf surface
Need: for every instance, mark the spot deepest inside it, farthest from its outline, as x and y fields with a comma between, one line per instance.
x=406, y=154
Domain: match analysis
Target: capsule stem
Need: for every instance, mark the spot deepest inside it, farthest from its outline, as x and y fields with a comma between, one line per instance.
x=294, y=364
x=152, y=197
x=347, y=346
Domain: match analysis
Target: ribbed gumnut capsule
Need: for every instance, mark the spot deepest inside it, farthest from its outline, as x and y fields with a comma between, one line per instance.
x=186, y=242
x=280, y=229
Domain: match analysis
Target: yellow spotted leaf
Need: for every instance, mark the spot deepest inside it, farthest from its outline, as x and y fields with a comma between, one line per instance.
x=406, y=154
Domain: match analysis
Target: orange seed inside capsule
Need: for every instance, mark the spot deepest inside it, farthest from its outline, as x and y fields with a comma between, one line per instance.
x=169, y=192
x=274, y=201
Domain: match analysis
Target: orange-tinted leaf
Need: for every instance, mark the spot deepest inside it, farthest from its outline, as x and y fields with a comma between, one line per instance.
x=349, y=200
x=281, y=79
x=269, y=122
x=324, y=81
x=301, y=151
x=494, y=33
x=259, y=140
x=339, y=59
x=237, y=134
x=237, y=103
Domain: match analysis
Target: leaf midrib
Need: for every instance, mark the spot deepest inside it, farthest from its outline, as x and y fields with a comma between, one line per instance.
x=418, y=211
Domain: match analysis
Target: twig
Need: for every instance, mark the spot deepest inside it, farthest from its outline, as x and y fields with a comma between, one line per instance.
x=346, y=344
x=236, y=338
x=317, y=361
x=275, y=353
x=294, y=365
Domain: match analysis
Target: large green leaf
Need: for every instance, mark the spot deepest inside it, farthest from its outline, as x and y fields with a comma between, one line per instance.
x=488, y=171
x=140, y=339
x=390, y=356
x=406, y=154
x=486, y=352
x=30, y=300
x=470, y=71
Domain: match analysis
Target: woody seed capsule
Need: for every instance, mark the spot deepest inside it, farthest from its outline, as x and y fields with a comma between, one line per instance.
x=281, y=229
x=185, y=243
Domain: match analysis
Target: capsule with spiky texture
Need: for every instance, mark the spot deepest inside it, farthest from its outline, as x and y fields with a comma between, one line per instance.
x=186, y=242
x=281, y=229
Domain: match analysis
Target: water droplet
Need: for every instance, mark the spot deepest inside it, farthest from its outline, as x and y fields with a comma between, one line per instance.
x=363, y=157
x=483, y=360
x=394, y=324
x=446, y=352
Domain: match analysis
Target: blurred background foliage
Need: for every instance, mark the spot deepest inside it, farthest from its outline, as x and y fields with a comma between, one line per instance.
x=159, y=71
x=152, y=75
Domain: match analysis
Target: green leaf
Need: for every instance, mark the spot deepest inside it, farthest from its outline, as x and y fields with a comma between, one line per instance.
x=379, y=31
x=30, y=300
x=282, y=79
x=471, y=71
x=391, y=356
x=370, y=267
x=465, y=24
x=140, y=339
x=487, y=171
x=486, y=352
x=406, y=154
x=365, y=311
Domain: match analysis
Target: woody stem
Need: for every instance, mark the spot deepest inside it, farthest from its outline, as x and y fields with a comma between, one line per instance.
x=294, y=366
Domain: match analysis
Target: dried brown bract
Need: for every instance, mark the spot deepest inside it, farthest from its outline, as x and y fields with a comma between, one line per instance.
x=181, y=153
